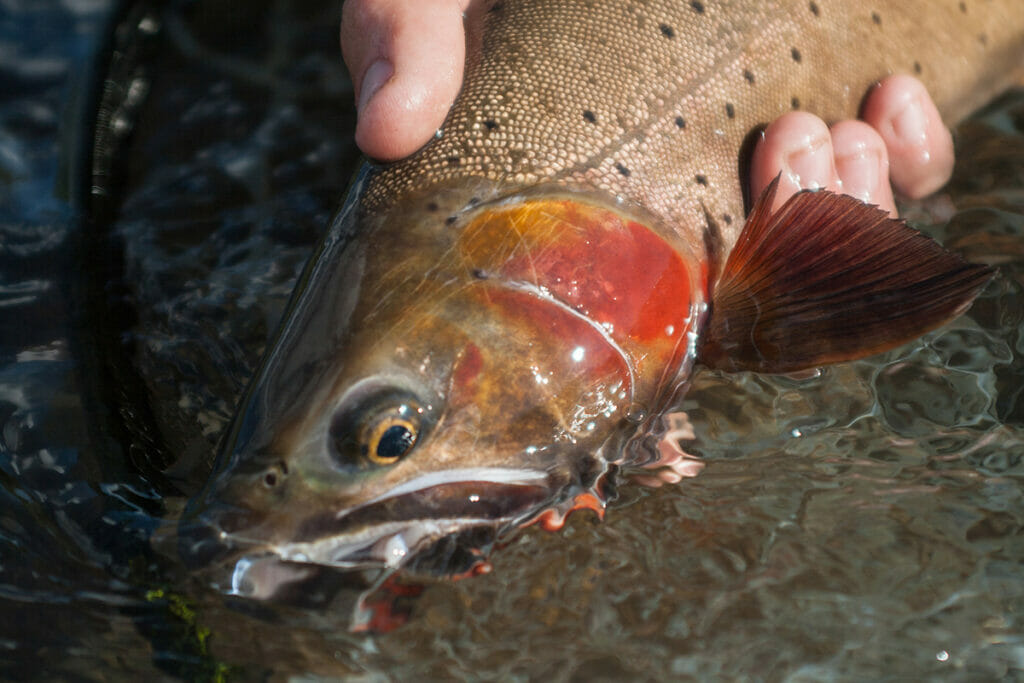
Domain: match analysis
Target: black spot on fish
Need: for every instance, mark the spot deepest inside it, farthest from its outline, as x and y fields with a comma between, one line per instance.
x=622, y=169
x=667, y=31
x=983, y=39
x=815, y=10
x=451, y=220
x=491, y=124
x=749, y=75
x=730, y=110
x=917, y=67
x=680, y=122
x=589, y=116
x=697, y=6
x=473, y=201
x=877, y=18
x=701, y=179
x=795, y=102
x=432, y=207
x=454, y=161
x=727, y=219
x=480, y=274
x=795, y=53
x=963, y=7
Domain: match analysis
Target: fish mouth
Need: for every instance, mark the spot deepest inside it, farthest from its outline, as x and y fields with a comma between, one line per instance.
x=439, y=524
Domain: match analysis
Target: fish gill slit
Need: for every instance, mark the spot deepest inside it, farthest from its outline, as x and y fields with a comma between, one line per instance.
x=543, y=294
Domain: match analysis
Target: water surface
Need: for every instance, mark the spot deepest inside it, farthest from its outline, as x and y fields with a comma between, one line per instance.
x=859, y=524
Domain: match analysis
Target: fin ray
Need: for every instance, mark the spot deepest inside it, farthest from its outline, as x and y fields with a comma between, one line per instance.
x=828, y=278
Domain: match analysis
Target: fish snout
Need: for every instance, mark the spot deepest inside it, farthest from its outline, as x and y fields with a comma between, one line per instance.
x=213, y=534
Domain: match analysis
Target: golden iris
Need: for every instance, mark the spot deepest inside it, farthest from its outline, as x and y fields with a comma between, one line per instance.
x=390, y=437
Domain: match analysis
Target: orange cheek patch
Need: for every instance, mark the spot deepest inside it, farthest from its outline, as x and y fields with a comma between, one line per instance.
x=615, y=271
x=560, y=341
x=468, y=366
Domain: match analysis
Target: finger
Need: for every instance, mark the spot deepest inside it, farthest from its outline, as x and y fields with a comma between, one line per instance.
x=799, y=146
x=920, y=146
x=862, y=164
x=406, y=58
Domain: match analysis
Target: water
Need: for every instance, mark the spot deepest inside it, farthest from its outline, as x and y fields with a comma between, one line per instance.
x=859, y=524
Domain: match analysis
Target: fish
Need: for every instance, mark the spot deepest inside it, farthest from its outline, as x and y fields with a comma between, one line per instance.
x=491, y=330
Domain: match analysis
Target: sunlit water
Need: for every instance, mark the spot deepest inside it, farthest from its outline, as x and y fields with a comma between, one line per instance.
x=862, y=523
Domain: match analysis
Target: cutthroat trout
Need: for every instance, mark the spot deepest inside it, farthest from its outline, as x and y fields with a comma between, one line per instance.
x=490, y=328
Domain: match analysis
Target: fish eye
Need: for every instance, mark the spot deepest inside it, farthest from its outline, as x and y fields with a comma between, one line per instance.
x=389, y=437
x=376, y=430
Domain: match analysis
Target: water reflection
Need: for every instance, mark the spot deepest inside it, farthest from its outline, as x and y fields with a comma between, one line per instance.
x=863, y=522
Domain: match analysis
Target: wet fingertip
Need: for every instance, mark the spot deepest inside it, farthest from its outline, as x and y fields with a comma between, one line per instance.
x=861, y=173
x=910, y=122
x=374, y=78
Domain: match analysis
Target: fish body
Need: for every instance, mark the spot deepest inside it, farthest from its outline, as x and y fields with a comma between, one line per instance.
x=491, y=327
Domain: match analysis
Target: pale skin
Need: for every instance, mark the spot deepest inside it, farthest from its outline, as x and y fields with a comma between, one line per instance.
x=406, y=80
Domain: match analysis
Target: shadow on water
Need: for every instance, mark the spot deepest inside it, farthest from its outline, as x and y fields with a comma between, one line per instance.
x=859, y=523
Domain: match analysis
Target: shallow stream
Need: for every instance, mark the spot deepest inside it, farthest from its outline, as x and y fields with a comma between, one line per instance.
x=864, y=523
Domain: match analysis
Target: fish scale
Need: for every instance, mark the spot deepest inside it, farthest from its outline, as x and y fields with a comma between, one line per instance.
x=633, y=99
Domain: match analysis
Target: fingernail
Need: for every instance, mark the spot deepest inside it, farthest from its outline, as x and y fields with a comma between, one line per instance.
x=861, y=173
x=374, y=78
x=810, y=166
x=909, y=123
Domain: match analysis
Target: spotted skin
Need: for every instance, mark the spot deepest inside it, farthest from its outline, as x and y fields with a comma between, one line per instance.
x=651, y=101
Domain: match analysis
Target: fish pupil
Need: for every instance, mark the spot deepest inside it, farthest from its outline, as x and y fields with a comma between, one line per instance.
x=395, y=442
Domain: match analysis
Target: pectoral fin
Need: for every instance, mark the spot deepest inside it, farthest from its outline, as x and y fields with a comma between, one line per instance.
x=828, y=278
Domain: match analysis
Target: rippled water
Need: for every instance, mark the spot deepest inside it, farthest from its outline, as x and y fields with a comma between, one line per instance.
x=859, y=524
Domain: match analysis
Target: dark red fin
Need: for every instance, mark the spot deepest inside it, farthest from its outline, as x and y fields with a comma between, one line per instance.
x=828, y=278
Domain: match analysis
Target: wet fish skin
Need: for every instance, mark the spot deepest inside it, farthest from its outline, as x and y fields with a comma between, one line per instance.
x=652, y=101
x=453, y=313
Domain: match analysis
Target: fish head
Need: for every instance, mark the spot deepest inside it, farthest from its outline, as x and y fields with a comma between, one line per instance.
x=441, y=378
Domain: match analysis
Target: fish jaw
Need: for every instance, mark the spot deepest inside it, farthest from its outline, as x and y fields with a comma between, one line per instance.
x=441, y=526
x=519, y=343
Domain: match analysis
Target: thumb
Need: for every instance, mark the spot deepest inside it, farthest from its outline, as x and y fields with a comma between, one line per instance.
x=406, y=58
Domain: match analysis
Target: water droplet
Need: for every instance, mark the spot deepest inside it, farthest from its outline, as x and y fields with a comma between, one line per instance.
x=636, y=413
